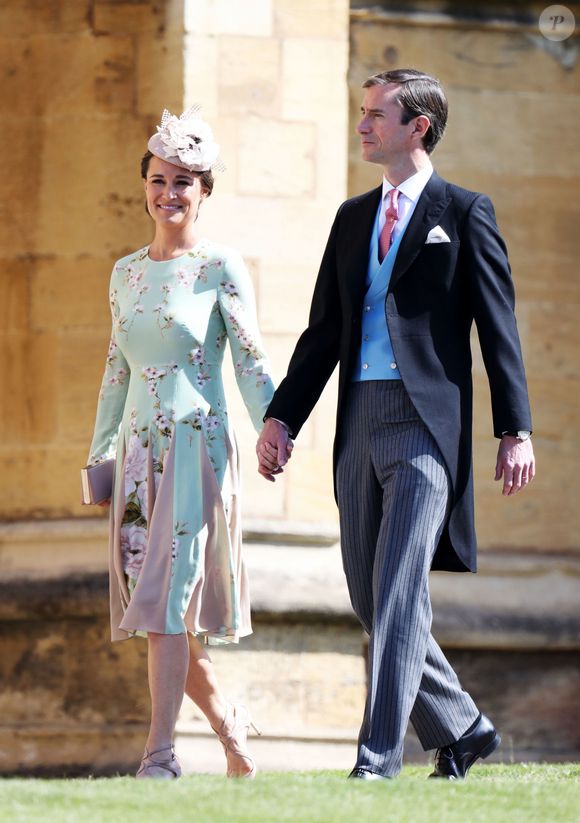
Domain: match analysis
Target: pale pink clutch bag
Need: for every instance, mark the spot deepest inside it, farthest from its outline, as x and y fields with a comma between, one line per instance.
x=97, y=482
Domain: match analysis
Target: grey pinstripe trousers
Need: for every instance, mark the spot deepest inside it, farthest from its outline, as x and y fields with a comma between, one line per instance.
x=393, y=495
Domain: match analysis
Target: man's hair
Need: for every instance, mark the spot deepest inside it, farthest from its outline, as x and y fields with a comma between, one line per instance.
x=418, y=93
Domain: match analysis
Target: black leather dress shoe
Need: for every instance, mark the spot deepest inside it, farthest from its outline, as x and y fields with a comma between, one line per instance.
x=364, y=774
x=454, y=761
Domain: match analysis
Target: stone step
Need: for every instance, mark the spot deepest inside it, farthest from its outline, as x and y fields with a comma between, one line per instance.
x=277, y=750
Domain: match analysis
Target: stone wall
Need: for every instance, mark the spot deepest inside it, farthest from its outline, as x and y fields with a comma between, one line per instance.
x=514, y=100
x=73, y=703
x=85, y=82
x=271, y=77
x=85, y=85
x=70, y=702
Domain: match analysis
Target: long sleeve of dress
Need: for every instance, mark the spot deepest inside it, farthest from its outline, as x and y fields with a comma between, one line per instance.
x=252, y=368
x=111, y=397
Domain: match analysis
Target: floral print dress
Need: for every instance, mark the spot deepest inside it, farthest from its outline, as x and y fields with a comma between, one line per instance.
x=175, y=536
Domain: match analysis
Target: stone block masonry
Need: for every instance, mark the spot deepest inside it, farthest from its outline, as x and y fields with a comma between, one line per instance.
x=90, y=80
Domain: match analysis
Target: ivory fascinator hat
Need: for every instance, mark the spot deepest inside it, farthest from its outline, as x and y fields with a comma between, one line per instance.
x=186, y=141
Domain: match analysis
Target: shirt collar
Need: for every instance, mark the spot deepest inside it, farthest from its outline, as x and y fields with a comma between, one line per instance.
x=413, y=186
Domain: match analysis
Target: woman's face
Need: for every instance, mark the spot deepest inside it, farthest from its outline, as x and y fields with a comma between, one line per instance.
x=173, y=194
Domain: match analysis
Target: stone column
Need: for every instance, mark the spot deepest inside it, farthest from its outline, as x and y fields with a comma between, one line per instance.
x=271, y=77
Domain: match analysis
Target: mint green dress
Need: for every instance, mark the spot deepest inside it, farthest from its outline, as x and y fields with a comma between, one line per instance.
x=175, y=536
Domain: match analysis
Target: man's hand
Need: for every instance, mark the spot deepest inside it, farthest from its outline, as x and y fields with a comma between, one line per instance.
x=274, y=448
x=515, y=461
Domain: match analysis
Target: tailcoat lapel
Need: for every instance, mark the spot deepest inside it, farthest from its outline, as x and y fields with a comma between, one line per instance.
x=359, y=232
x=430, y=206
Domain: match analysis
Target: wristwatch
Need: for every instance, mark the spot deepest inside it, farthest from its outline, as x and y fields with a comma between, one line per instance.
x=522, y=434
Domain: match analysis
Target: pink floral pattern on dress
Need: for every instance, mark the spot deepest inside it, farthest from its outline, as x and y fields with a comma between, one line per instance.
x=162, y=399
x=133, y=549
x=135, y=464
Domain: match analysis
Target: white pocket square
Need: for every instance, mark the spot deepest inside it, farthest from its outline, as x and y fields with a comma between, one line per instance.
x=437, y=235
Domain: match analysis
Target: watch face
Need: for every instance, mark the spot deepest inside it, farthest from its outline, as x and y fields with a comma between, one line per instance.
x=523, y=435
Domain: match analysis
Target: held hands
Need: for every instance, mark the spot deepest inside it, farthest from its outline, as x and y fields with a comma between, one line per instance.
x=515, y=461
x=274, y=449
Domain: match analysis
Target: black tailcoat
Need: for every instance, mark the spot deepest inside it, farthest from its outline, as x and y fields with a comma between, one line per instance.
x=436, y=292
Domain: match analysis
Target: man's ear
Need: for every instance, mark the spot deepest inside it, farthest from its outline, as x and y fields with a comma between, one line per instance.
x=422, y=125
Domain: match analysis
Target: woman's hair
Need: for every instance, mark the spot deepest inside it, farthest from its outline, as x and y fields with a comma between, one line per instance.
x=206, y=177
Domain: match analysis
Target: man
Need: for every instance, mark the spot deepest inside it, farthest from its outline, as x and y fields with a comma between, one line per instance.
x=408, y=267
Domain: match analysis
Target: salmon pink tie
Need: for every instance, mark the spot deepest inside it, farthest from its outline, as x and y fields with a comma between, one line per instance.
x=391, y=217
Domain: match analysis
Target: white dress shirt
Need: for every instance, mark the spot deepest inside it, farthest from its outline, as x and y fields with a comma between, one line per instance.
x=410, y=191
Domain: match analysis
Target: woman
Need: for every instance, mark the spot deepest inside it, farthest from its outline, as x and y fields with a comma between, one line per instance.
x=176, y=570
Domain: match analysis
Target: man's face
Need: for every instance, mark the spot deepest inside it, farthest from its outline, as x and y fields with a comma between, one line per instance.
x=384, y=139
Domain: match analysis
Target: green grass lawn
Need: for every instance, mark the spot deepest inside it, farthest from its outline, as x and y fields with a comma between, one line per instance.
x=535, y=793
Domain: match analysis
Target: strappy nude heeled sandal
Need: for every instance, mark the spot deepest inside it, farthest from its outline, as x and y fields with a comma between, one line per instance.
x=233, y=735
x=168, y=769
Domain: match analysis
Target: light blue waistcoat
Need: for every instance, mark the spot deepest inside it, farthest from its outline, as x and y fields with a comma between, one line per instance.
x=376, y=360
